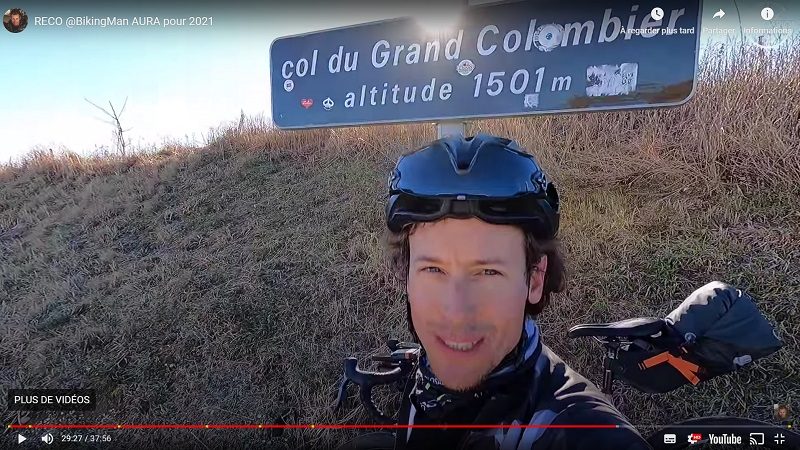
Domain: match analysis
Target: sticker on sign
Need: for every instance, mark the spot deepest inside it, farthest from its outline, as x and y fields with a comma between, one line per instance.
x=501, y=59
x=611, y=79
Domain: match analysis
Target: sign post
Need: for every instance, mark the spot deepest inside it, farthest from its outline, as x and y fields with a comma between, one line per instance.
x=450, y=128
x=504, y=59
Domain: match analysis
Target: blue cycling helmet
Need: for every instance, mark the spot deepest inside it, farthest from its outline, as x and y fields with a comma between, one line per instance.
x=483, y=176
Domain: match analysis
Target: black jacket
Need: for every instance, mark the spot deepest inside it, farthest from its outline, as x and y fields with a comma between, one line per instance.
x=547, y=393
x=10, y=27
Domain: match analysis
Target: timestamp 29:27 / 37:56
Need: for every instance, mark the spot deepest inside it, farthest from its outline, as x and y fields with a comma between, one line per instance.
x=90, y=438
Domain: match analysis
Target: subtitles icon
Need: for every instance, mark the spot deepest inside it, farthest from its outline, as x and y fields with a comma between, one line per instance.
x=756, y=438
x=670, y=439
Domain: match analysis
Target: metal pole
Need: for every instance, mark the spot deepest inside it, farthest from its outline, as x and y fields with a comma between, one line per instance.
x=453, y=127
x=450, y=128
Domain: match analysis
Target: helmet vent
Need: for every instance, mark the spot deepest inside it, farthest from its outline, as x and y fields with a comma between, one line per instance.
x=463, y=156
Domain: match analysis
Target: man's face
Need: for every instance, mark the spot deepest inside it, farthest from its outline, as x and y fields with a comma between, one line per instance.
x=467, y=289
x=15, y=19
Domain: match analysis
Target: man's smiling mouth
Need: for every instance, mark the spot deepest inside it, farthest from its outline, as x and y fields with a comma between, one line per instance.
x=461, y=345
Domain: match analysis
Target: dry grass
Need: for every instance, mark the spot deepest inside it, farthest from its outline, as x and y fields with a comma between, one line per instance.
x=226, y=283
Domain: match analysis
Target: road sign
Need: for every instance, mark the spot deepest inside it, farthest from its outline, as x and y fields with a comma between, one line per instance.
x=513, y=58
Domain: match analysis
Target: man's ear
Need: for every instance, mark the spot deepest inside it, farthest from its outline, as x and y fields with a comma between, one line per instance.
x=536, y=282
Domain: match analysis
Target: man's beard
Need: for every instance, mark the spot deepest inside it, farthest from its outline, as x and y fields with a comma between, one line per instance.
x=465, y=388
x=475, y=385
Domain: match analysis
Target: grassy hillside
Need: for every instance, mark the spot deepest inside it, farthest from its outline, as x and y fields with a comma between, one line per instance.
x=225, y=284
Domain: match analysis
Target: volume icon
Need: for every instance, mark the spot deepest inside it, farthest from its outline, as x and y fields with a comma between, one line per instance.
x=47, y=438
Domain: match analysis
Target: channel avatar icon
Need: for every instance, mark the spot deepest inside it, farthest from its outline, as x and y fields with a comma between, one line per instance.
x=782, y=413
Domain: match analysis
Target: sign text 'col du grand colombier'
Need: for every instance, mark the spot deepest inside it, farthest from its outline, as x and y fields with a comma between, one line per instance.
x=519, y=58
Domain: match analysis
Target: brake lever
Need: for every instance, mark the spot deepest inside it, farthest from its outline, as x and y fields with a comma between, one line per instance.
x=342, y=394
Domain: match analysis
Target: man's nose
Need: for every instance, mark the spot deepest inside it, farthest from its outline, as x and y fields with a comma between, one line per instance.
x=458, y=303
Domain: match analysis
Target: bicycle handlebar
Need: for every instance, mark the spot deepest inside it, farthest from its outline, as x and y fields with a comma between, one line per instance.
x=400, y=363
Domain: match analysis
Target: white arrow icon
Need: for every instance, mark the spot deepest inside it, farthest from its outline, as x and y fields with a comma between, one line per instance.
x=719, y=14
x=21, y=439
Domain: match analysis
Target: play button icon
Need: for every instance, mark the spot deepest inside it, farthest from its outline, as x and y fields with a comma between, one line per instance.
x=21, y=439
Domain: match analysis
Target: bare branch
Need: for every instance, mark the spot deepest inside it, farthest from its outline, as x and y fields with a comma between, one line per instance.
x=119, y=133
x=110, y=122
x=123, y=107
x=101, y=109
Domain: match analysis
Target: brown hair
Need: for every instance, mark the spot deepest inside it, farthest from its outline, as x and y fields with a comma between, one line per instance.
x=555, y=277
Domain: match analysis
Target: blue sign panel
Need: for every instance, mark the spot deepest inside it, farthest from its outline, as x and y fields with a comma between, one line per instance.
x=517, y=58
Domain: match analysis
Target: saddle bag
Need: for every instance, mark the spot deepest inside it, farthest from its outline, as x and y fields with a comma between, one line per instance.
x=716, y=330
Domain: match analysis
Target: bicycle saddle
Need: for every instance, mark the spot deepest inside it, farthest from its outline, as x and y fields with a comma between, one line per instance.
x=639, y=327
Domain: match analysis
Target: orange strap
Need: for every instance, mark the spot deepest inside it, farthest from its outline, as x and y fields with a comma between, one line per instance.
x=687, y=369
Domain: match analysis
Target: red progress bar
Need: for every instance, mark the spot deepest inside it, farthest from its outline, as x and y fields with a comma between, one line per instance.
x=287, y=427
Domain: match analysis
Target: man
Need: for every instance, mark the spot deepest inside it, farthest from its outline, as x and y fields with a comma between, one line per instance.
x=16, y=23
x=782, y=414
x=473, y=226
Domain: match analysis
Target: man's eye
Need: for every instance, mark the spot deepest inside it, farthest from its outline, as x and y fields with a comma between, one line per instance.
x=432, y=269
x=490, y=272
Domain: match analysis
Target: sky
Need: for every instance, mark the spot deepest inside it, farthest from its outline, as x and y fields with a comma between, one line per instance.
x=180, y=81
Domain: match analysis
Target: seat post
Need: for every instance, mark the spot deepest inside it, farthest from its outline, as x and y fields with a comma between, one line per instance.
x=608, y=375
